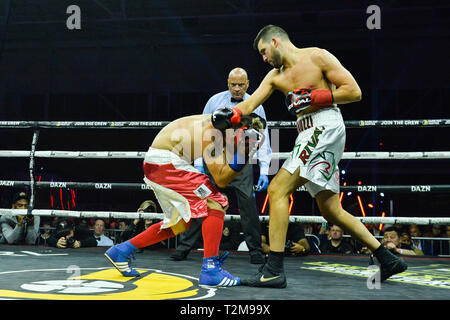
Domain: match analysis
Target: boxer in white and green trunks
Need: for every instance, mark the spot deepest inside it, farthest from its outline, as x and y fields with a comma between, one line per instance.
x=314, y=83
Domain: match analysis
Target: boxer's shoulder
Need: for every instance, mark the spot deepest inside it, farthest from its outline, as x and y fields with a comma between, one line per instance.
x=188, y=121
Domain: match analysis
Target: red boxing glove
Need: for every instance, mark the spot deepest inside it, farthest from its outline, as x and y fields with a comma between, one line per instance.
x=300, y=99
x=321, y=98
x=236, y=118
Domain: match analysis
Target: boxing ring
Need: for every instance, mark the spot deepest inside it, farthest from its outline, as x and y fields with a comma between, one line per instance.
x=36, y=272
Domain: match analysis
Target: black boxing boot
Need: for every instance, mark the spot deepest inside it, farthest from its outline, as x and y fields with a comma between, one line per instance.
x=269, y=275
x=389, y=263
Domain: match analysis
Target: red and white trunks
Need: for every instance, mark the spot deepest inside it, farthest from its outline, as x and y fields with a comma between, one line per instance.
x=180, y=188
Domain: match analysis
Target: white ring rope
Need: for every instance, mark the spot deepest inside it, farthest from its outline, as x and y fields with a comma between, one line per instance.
x=423, y=155
x=422, y=123
x=36, y=125
x=153, y=215
x=444, y=188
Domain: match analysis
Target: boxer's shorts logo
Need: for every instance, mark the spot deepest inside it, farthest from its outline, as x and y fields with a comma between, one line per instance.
x=310, y=145
x=325, y=163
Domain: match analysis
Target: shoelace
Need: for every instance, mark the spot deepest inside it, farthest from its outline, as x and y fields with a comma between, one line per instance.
x=130, y=258
x=221, y=259
x=220, y=262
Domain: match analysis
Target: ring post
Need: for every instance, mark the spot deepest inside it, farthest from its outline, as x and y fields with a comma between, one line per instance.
x=34, y=142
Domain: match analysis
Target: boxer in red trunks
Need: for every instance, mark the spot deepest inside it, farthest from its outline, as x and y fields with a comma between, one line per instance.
x=184, y=193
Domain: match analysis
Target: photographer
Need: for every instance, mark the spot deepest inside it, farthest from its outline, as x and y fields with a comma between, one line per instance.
x=69, y=236
x=336, y=243
x=19, y=229
x=139, y=225
x=296, y=242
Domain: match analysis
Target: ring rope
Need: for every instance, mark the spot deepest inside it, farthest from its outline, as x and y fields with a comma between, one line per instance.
x=228, y=217
x=444, y=188
x=422, y=155
x=273, y=124
x=421, y=123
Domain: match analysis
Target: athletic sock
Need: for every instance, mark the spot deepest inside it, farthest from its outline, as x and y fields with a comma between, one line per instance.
x=384, y=256
x=212, y=228
x=152, y=235
x=275, y=262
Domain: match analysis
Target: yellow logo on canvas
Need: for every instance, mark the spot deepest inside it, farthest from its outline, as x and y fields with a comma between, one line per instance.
x=103, y=284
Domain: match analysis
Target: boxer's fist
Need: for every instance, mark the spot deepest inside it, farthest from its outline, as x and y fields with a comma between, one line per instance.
x=226, y=118
x=300, y=99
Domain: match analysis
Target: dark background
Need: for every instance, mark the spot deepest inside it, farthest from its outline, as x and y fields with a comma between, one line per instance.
x=160, y=60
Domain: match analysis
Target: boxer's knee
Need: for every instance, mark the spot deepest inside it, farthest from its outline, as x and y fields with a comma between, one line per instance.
x=277, y=191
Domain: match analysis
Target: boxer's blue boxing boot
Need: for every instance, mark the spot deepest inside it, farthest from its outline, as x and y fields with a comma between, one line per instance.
x=120, y=256
x=213, y=275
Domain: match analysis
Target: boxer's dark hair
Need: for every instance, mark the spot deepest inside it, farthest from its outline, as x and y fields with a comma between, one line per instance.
x=267, y=33
x=253, y=121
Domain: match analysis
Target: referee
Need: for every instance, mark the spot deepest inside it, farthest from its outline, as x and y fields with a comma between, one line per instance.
x=243, y=184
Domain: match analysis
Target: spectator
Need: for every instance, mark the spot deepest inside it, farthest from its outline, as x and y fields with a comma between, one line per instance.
x=391, y=241
x=231, y=235
x=55, y=222
x=405, y=242
x=358, y=246
x=336, y=242
x=139, y=225
x=45, y=233
x=420, y=244
x=296, y=242
x=21, y=229
x=243, y=185
x=308, y=228
x=99, y=234
x=324, y=232
x=69, y=236
x=446, y=243
x=436, y=245
x=123, y=224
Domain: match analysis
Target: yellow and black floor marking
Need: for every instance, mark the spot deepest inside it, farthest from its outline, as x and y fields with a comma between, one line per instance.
x=42, y=273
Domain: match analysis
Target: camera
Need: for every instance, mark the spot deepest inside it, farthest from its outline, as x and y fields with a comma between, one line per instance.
x=287, y=247
x=63, y=229
x=70, y=242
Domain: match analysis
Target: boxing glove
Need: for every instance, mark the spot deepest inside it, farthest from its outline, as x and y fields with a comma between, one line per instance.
x=300, y=99
x=226, y=118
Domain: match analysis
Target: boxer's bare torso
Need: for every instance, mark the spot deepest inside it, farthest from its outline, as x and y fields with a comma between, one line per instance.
x=185, y=136
x=193, y=137
x=304, y=73
x=306, y=68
